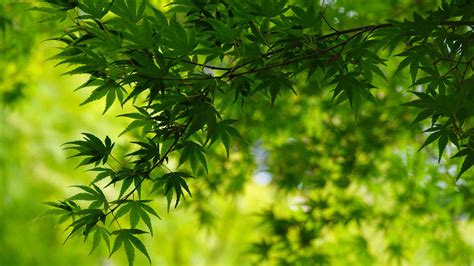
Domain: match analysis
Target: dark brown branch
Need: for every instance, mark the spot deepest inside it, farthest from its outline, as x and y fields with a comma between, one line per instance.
x=359, y=30
x=296, y=59
x=337, y=33
x=329, y=25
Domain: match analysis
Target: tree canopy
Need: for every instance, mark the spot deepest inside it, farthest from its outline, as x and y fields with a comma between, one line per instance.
x=361, y=122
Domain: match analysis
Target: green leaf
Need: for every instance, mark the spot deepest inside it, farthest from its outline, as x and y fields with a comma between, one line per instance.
x=141, y=119
x=195, y=153
x=178, y=39
x=109, y=100
x=92, y=148
x=414, y=70
x=307, y=17
x=257, y=33
x=442, y=143
x=97, y=9
x=137, y=210
x=134, y=216
x=97, y=94
x=94, y=194
x=127, y=9
x=431, y=138
x=467, y=163
x=150, y=151
x=100, y=234
x=103, y=173
x=63, y=4
x=169, y=198
x=117, y=244
x=176, y=181
x=223, y=131
x=124, y=209
x=203, y=114
x=222, y=31
x=403, y=64
x=139, y=245
x=87, y=221
x=127, y=238
x=129, y=251
x=378, y=71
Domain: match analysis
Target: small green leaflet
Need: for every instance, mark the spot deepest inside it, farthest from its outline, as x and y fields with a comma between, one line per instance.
x=128, y=179
x=63, y=208
x=176, y=38
x=96, y=9
x=92, y=148
x=141, y=35
x=88, y=219
x=195, y=153
x=95, y=195
x=128, y=9
x=348, y=86
x=442, y=134
x=274, y=83
x=89, y=62
x=308, y=17
x=64, y=4
x=103, y=173
x=149, y=150
x=110, y=90
x=267, y=8
x=100, y=233
x=425, y=102
x=468, y=161
x=175, y=180
x=127, y=238
x=203, y=114
x=223, y=131
x=222, y=31
x=140, y=119
x=137, y=210
x=413, y=57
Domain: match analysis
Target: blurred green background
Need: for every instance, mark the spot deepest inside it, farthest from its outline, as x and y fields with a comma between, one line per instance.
x=39, y=112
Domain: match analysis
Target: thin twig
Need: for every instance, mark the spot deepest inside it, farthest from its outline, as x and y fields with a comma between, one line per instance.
x=331, y=27
x=197, y=64
x=294, y=60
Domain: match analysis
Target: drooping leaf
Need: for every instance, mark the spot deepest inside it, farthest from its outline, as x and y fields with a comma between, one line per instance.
x=92, y=148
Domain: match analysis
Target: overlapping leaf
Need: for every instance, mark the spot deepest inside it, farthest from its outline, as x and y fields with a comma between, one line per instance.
x=95, y=195
x=92, y=148
x=194, y=153
x=137, y=210
x=174, y=181
x=127, y=239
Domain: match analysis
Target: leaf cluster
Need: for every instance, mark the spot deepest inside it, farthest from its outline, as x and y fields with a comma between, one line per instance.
x=178, y=68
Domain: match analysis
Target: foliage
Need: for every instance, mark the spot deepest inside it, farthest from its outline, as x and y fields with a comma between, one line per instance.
x=16, y=35
x=203, y=71
x=31, y=168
